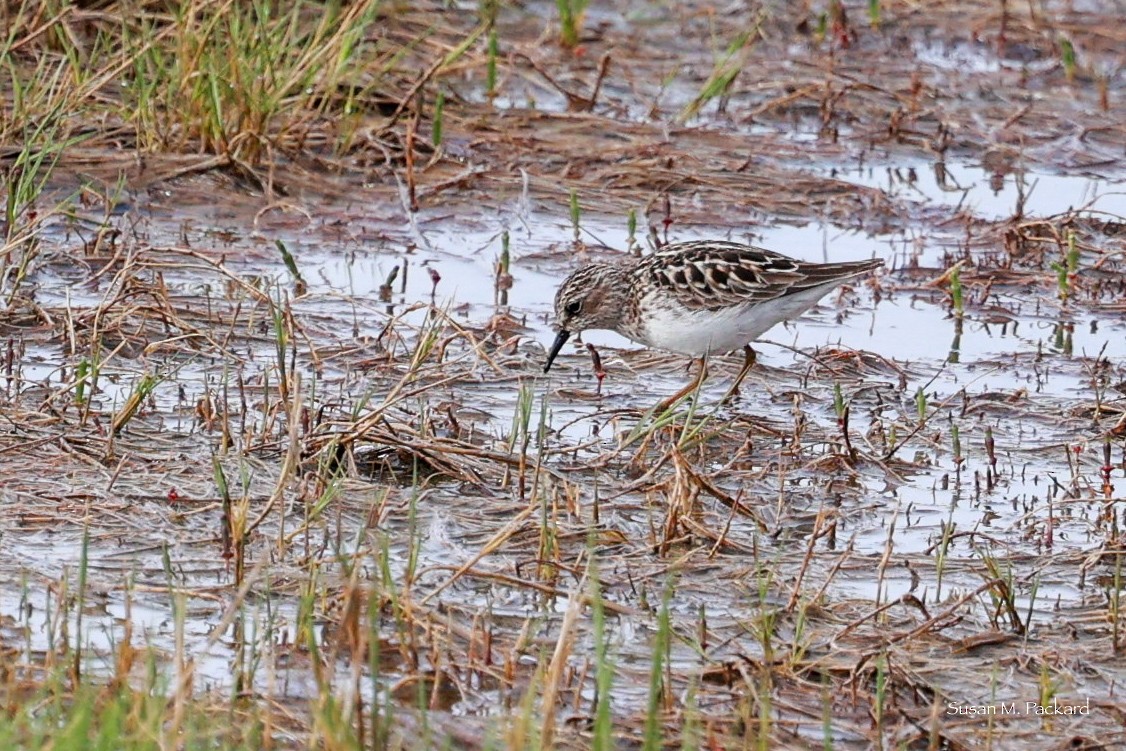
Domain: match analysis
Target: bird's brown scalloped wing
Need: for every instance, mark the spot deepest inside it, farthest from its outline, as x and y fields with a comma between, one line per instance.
x=713, y=275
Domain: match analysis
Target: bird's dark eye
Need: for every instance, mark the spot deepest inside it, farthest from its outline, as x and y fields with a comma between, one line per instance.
x=573, y=308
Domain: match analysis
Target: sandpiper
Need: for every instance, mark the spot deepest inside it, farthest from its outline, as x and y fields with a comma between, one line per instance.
x=695, y=298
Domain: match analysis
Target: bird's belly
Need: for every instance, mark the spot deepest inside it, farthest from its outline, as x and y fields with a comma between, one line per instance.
x=701, y=332
x=698, y=332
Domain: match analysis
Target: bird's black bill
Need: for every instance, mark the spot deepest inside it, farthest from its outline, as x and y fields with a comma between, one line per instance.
x=560, y=339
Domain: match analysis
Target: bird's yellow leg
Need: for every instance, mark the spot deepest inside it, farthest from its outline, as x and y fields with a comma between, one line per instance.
x=691, y=387
x=749, y=358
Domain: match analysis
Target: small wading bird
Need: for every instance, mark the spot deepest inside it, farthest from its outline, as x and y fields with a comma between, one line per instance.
x=695, y=298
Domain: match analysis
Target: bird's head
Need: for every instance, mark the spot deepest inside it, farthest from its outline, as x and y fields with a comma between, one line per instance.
x=592, y=297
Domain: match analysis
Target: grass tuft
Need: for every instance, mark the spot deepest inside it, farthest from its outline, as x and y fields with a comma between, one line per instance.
x=571, y=14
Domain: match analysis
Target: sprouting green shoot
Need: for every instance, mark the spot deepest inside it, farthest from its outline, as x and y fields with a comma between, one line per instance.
x=1048, y=687
x=1061, y=279
x=1066, y=271
x=491, y=66
x=631, y=225
x=921, y=404
x=822, y=28
x=81, y=373
x=1067, y=57
x=881, y=689
x=874, y=13
x=522, y=417
x=220, y=477
x=838, y=400
x=439, y=111
x=1072, y=253
x=726, y=69
x=291, y=266
x=141, y=391
x=576, y=212
x=570, y=21
x=948, y=528
x=956, y=291
x=281, y=340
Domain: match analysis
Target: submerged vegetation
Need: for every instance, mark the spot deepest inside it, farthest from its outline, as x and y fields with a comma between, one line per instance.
x=279, y=468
